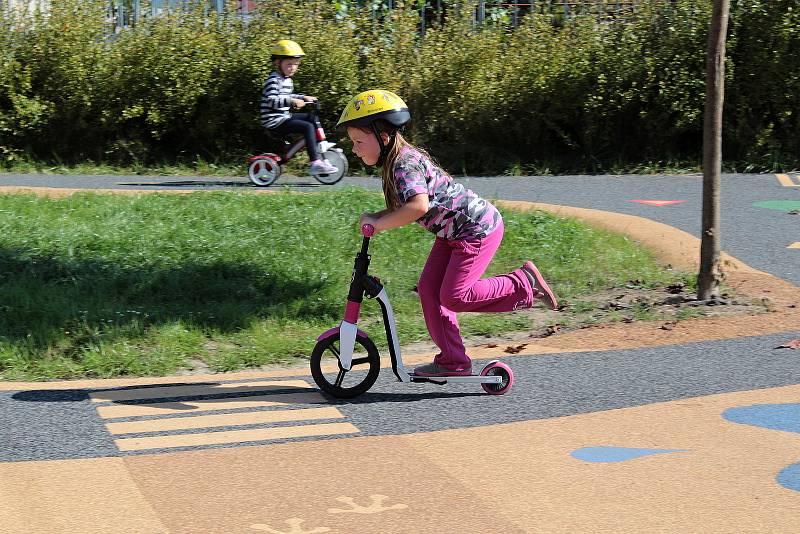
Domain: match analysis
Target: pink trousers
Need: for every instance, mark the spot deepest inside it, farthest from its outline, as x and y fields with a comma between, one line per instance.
x=451, y=282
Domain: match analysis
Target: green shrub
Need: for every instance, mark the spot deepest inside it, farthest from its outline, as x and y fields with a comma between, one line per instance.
x=763, y=98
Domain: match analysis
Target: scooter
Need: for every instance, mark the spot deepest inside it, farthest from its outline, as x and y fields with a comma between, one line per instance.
x=264, y=169
x=345, y=362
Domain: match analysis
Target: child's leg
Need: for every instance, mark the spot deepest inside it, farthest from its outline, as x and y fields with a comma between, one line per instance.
x=302, y=123
x=441, y=322
x=463, y=290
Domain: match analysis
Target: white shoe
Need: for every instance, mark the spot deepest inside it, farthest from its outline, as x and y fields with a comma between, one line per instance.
x=322, y=166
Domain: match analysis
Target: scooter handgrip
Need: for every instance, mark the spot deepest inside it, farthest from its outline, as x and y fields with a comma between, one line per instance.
x=367, y=230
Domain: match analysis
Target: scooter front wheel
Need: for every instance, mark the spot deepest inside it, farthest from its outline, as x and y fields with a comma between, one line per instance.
x=333, y=379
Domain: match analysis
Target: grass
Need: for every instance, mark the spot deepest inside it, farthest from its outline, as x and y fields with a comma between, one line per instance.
x=103, y=285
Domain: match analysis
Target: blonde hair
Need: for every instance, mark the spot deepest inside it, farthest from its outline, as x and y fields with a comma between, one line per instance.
x=387, y=171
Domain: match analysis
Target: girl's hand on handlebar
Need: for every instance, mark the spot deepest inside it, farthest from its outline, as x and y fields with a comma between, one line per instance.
x=298, y=103
x=367, y=218
x=310, y=98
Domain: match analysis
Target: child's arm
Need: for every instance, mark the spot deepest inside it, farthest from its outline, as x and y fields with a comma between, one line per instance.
x=416, y=207
x=376, y=215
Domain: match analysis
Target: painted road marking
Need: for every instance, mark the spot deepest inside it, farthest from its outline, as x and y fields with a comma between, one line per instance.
x=787, y=206
x=194, y=390
x=658, y=202
x=234, y=436
x=795, y=245
x=161, y=415
x=223, y=420
x=207, y=405
x=786, y=180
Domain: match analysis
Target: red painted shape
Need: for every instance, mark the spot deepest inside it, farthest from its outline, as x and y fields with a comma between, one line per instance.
x=658, y=202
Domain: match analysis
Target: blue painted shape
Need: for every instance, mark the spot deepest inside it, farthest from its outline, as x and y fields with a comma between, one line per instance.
x=784, y=417
x=789, y=477
x=616, y=454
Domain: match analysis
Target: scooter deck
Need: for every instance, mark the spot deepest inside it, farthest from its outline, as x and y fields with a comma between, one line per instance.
x=466, y=379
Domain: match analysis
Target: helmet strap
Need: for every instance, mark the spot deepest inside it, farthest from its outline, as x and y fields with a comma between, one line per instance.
x=384, y=148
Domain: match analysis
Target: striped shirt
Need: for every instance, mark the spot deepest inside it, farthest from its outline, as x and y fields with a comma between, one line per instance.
x=276, y=100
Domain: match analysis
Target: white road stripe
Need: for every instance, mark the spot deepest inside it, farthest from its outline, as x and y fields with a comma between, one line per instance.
x=234, y=436
x=206, y=405
x=223, y=420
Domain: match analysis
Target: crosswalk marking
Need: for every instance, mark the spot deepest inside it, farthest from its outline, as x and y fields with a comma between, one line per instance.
x=205, y=405
x=234, y=436
x=786, y=180
x=194, y=390
x=223, y=420
x=247, y=397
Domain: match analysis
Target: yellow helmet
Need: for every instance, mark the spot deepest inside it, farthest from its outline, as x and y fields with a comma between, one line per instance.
x=286, y=48
x=366, y=107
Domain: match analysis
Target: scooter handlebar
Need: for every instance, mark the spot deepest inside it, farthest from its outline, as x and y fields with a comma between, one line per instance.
x=367, y=230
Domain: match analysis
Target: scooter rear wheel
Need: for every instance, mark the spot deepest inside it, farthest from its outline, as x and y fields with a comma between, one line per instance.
x=498, y=368
x=332, y=379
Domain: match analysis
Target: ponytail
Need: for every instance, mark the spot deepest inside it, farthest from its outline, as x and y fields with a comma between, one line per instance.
x=387, y=171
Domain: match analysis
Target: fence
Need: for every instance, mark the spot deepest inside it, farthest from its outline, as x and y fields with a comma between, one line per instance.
x=127, y=12
x=124, y=13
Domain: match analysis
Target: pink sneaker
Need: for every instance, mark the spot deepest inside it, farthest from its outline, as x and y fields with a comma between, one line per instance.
x=322, y=166
x=540, y=288
x=434, y=369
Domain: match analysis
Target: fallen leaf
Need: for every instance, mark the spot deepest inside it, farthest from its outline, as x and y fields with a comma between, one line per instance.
x=514, y=350
x=550, y=330
x=674, y=289
x=793, y=344
x=491, y=345
x=670, y=325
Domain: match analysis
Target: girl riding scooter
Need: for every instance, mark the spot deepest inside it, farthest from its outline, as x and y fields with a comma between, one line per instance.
x=468, y=230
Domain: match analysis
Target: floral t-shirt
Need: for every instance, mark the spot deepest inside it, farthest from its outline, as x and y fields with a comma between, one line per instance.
x=455, y=212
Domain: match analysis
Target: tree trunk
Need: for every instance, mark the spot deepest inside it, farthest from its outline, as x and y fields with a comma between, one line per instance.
x=710, y=275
